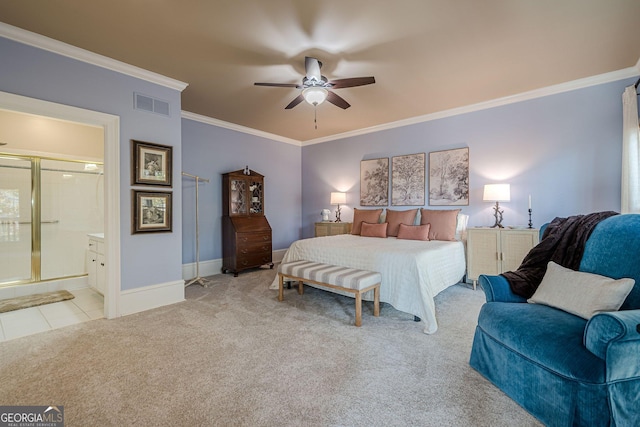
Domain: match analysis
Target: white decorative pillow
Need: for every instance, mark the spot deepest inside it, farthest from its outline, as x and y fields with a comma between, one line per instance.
x=582, y=294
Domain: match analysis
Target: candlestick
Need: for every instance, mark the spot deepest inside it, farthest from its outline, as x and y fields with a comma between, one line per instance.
x=530, y=223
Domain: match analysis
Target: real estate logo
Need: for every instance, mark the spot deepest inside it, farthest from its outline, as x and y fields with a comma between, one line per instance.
x=31, y=416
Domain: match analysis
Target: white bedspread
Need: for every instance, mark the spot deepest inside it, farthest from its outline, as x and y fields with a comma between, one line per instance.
x=413, y=272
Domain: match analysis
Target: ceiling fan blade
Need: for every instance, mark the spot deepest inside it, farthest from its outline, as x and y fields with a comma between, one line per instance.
x=351, y=82
x=279, y=85
x=312, y=68
x=337, y=100
x=298, y=99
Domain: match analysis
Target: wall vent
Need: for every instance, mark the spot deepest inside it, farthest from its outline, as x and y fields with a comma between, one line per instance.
x=152, y=105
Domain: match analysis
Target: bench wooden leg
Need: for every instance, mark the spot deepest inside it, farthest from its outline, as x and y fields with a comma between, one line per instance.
x=300, y=287
x=358, y=309
x=280, y=287
x=376, y=301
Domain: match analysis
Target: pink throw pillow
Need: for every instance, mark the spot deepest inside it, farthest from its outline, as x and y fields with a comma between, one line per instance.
x=374, y=230
x=395, y=218
x=414, y=232
x=443, y=223
x=359, y=216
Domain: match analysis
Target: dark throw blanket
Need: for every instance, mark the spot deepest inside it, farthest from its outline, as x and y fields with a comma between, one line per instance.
x=562, y=242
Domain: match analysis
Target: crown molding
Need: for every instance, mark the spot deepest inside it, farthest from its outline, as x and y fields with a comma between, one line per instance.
x=525, y=96
x=239, y=128
x=46, y=43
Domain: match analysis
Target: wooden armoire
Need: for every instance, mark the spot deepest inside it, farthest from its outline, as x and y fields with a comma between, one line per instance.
x=246, y=233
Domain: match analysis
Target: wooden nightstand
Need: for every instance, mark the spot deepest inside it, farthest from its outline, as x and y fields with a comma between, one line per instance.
x=332, y=228
x=496, y=250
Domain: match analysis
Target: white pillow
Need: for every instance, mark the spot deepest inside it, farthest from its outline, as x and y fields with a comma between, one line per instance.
x=582, y=294
x=461, y=227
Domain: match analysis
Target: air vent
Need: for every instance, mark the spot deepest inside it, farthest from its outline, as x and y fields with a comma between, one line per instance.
x=152, y=105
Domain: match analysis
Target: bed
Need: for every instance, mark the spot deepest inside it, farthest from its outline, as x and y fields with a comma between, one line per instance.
x=413, y=271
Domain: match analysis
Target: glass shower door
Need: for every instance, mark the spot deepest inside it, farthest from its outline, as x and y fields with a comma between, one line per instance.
x=15, y=220
x=72, y=206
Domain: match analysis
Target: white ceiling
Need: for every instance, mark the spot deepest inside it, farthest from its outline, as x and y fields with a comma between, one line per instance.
x=427, y=56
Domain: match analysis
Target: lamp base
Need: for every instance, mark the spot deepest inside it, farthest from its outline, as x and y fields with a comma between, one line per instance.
x=498, y=215
x=338, y=214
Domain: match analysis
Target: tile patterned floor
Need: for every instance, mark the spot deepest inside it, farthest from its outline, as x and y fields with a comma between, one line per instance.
x=87, y=305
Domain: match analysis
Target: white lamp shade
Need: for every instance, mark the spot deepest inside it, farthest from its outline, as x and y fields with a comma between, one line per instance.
x=497, y=193
x=315, y=95
x=338, y=198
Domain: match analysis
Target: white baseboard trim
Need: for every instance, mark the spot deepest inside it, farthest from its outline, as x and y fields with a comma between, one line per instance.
x=148, y=297
x=207, y=268
x=214, y=266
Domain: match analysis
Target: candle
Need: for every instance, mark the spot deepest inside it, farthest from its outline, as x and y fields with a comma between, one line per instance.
x=529, y=201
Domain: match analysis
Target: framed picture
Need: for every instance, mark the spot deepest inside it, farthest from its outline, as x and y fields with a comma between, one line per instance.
x=407, y=180
x=449, y=177
x=151, y=211
x=151, y=163
x=374, y=182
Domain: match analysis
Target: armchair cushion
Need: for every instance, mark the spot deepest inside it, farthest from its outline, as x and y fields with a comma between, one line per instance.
x=582, y=294
x=551, y=337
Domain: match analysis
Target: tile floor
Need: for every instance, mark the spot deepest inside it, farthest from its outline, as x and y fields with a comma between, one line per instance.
x=87, y=305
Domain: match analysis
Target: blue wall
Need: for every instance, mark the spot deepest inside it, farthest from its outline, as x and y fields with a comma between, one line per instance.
x=564, y=150
x=209, y=151
x=24, y=70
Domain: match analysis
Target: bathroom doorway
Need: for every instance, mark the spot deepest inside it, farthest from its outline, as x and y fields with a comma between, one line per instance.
x=110, y=126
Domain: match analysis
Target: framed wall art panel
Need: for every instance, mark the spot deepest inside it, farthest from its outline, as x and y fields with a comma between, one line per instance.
x=407, y=180
x=151, y=163
x=374, y=182
x=152, y=211
x=449, y=177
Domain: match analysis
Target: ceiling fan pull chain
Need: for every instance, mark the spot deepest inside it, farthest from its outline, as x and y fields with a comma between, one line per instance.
x=315, y=116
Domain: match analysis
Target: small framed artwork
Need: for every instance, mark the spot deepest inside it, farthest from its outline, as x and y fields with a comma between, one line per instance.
x=407, y=180
x=151, y=163
x=449, y=177
x=151, y=211
x=374, y=182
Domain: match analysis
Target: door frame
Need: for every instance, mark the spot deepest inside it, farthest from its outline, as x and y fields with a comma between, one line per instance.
x=111, y=126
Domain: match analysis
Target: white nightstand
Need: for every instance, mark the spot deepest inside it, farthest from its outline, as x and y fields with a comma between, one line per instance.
x=495, y=250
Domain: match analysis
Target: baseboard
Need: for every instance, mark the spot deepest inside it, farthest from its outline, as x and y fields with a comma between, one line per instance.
x=214, y=266
x=207, y=268
x=148, y=297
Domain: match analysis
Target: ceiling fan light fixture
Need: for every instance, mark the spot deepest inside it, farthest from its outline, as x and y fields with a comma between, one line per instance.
x=315, y=95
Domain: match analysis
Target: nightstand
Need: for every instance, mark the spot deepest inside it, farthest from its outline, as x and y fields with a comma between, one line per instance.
x=495, y=250
x=332, y=228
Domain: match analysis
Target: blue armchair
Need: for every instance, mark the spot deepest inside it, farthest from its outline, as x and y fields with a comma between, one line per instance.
x=563, y=369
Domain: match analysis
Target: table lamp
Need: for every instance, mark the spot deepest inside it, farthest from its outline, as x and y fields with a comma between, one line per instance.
x=338, y=198
x=497, y=193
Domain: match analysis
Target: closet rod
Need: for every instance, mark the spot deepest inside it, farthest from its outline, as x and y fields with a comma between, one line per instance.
x=195, y=177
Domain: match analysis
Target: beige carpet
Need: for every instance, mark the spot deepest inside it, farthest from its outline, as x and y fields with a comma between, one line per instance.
x=34, y=300
x=232, y=355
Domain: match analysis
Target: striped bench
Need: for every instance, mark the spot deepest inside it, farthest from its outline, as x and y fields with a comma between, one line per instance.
x=335, y=277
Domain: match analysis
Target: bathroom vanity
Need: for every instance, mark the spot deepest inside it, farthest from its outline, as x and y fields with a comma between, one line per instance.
x=95, y=262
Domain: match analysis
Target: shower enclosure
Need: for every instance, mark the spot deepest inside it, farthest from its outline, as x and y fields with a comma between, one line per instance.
x=47, y=208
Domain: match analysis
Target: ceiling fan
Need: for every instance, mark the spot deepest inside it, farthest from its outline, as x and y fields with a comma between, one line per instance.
x=315, y=87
